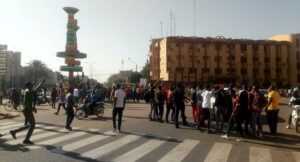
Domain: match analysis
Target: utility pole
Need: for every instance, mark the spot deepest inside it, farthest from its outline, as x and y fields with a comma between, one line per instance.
x=162, y=29
x=195, y=17
x=171, y=23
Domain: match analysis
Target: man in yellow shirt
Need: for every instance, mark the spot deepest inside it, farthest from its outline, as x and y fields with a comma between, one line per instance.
x=273, y=108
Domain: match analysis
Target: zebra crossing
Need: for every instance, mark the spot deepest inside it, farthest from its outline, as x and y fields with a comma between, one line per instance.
x=94, y=145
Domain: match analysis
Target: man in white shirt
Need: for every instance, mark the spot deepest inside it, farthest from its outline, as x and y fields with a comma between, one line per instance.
x=119, y=105
x=206, y=106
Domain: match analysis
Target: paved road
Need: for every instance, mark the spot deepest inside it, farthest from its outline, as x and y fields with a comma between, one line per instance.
x=142, y=140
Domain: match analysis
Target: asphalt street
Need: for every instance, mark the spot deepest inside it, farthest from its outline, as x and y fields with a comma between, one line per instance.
x=141, y=140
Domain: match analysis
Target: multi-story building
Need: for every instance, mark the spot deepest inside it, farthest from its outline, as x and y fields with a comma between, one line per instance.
x=10, y=66
x=210, y=60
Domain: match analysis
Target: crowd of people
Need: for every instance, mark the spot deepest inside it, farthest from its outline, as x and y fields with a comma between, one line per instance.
x=215, y=107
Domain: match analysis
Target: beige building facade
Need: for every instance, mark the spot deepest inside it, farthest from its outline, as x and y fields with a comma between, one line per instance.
x=212, y=60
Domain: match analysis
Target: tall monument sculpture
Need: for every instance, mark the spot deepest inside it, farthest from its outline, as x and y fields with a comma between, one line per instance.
x=71, y=53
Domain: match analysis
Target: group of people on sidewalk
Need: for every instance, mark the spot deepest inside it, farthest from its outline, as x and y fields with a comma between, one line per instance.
x=231, y=106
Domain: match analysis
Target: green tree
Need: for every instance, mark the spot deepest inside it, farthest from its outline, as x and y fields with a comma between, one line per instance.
x=145, y=72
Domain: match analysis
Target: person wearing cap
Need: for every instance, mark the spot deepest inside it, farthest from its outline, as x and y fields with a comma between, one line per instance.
x=29, y=108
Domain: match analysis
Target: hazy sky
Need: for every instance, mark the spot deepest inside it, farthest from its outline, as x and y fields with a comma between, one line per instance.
x=112, y=30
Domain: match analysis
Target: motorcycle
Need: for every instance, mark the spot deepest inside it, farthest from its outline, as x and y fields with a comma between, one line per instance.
x=295, y=104
x=86, y=109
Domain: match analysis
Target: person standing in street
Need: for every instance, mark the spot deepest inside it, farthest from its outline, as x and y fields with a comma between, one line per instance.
x=170, y=104
x=179, y=99
x=70, y=109
x=119, y=106
x=195, y=108
x=29, y=108
x=61, y=99
x=244, y=113
x=257, y=103
x=206, y=106
x=161, y=103
x=53, y=97
x=273, y=109
x=220, y=107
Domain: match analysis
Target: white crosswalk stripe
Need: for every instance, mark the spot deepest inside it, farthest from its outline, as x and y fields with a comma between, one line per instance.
x=7, y=123
x=8, y=136
x=58, y=139
x=180, y=151
x=36, y=137
x=84, y=142
x=110, y=147
x=140, y=151
x=296, y=156
x=259, y=155
x=9, y=127
x=219, y=152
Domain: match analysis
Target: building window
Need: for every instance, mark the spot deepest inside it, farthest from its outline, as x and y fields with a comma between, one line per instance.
x=297, y=42
x=243, y=47
x=205, y=70
x=267, y=59
x=298, y=55
x=218, y=58
x=266, y=49
x=267, y=71
x=243, y=71
x=218, y=70
x=231, y=57
x=278, y=59
x=278, y=70
x=205, y=57
x=255, y=47
x=255, y=71
x=243, y=59
x=298, y=65
x=255, y=58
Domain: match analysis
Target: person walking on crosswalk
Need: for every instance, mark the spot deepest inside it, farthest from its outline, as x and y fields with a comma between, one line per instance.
x=70, y=109
x=119, y=105
x=29, y=108
x=61, y=99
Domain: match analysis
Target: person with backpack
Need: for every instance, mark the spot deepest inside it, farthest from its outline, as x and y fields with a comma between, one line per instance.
x=257, y=103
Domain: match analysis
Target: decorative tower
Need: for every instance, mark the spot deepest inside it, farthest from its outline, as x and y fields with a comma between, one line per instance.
x=71, y=53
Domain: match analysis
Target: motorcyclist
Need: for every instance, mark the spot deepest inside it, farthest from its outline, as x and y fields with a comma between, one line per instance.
x=96, y=96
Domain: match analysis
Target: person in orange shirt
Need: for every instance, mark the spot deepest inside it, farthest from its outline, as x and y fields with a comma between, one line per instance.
x=272, y=108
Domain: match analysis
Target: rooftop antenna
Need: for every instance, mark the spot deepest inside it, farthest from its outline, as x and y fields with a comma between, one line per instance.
x=162, y=28
x=171, y=22
x=122, y=64
x=174, y=21
x=195, y=14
